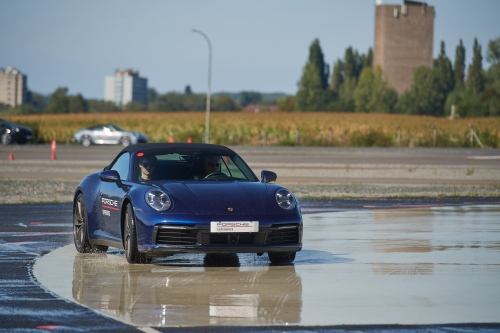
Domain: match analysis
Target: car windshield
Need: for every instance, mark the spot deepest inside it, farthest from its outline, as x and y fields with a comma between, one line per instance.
x=116, y=127
x=4, y=122
x=190, y=165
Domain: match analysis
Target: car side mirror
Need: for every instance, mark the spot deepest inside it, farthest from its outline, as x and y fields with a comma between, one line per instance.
x=267, y=176
x=111, y=176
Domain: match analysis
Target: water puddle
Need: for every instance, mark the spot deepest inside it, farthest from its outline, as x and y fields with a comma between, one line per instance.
x=429, y=265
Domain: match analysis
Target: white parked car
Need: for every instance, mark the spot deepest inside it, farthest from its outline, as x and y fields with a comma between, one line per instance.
x=108, y=134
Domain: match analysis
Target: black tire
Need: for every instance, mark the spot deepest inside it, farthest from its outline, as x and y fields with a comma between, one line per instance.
x=6, y=138
x=281, y=257
x=86, y=141
x=80, y=233
x=130, y=240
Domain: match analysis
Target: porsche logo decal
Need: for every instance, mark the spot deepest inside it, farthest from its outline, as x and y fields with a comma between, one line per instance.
x=230, y=209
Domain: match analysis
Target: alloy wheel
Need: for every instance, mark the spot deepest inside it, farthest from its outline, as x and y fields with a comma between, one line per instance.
x=6, y=138
x=79, y=225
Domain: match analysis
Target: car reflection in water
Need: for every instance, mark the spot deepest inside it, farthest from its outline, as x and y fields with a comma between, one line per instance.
x=217, y=292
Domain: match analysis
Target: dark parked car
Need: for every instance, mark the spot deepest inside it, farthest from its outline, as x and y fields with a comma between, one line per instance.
x=176, y=211
x=14, y=133
x=108, y=134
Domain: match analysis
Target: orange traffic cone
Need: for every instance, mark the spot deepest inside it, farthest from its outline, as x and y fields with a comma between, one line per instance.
x=170, y=139
x=189, y=140
x=11, y=156
x=53, y=148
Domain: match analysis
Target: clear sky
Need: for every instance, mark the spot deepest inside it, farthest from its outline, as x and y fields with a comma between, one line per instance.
x=258, y=45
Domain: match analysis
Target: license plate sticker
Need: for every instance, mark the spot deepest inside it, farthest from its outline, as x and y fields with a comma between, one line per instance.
x=234, y=226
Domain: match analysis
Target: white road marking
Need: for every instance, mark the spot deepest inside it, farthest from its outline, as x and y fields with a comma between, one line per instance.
x=484, y=157
x=146, y=329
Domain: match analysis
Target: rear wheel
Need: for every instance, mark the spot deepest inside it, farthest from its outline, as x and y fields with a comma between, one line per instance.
x=125, y=141
x=281, y=257
x=130, y=240
x=80, y=233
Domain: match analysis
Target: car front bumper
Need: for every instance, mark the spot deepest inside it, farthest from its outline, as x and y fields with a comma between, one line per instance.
x=168, y=240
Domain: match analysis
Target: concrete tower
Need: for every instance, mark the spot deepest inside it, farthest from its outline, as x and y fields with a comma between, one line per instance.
x=403, y=41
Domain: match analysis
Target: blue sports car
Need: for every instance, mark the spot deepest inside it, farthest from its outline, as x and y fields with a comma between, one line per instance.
x=159, y=199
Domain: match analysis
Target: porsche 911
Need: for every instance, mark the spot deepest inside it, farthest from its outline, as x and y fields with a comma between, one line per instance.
x=160, y=199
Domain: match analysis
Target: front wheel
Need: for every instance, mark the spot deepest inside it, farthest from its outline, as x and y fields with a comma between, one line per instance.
x=6, y=138
x=130, y=240
x=86, y=141
x=281, y=257
x=80, y=231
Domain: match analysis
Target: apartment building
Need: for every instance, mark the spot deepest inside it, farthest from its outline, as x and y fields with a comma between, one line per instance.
x=124, y=87
x=13, y=87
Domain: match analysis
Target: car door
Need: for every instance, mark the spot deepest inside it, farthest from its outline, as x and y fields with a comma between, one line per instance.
x=114, y=134
x=111, y=199
x=97, y=133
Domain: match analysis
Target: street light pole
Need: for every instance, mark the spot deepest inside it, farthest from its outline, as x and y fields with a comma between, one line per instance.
x=207, y=118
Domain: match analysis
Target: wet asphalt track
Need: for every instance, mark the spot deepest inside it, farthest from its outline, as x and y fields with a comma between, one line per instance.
x=27, y=232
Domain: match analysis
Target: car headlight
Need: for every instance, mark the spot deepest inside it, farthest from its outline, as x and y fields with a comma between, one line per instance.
x=158, y=200
x=285, y=199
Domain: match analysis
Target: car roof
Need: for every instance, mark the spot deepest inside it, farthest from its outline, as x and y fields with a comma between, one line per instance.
x=99, y=125
x=179, y=145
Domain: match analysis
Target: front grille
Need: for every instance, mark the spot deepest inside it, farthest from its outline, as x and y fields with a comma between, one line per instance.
x=231, y=239
x=176, y=237
x=282, y=236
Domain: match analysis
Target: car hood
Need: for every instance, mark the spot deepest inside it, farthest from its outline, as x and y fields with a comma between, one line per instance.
x=219, y=197
x=80, y=131
x=22, y=128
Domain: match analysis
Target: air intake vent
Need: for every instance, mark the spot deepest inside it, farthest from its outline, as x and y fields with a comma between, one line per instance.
x=176, y=237
x=283, y=236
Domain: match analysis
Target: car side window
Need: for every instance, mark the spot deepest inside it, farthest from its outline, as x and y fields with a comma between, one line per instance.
x=232, y=169
x=122, y=166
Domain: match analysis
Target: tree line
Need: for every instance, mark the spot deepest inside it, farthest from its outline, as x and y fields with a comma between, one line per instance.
x=356, y=85
x=60, y=102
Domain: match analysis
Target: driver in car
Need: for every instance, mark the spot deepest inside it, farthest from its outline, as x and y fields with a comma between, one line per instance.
x=210, y=165
x=147, y=166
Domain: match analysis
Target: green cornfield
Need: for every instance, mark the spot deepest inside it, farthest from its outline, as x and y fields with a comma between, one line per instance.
x=279, y=128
